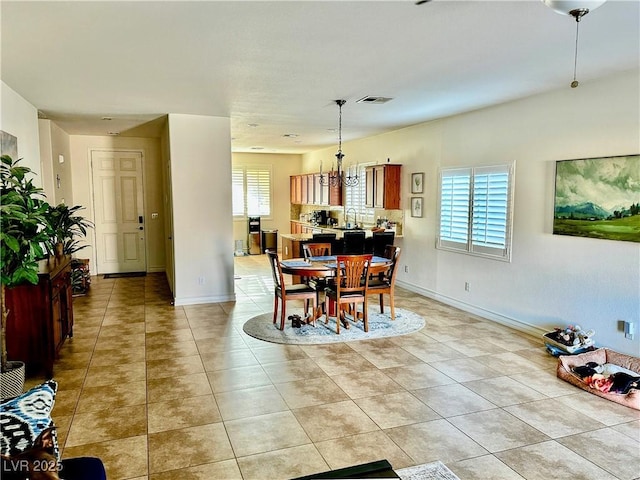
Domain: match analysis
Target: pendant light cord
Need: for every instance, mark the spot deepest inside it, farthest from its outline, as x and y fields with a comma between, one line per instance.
x=574, y=84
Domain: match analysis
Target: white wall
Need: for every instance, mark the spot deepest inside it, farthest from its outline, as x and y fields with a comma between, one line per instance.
x=19, y=118
x=552, y=280
x=56, y=176
x=200, y=157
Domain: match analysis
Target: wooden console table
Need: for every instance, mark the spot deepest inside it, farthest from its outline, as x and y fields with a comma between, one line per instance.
x=41, y=316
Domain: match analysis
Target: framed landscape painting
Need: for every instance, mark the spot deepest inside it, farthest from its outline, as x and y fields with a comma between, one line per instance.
x=598, y=198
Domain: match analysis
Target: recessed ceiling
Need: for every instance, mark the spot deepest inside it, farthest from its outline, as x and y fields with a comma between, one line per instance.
x=280, y=65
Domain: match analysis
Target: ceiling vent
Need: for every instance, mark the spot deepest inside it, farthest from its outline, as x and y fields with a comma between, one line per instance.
x=372, y=99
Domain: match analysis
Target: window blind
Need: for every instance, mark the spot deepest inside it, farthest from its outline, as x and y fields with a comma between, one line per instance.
x=251, y=188
x=475, y=210
x=356, y=196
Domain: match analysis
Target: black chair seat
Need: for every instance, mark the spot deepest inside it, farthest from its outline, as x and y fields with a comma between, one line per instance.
x=378, y=283
x=299, y=288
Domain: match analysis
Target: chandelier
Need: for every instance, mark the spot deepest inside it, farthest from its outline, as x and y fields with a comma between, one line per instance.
x=577, y=9
x=335, y=178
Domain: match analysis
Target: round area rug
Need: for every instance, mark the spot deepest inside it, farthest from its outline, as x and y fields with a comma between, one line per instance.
x=380, y=326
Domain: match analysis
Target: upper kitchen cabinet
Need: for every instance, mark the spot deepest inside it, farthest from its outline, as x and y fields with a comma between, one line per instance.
x=295, y=189
x=383, y=186
x=320, y=191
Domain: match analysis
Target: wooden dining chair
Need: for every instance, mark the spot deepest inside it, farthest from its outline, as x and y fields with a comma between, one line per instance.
x=381, y=240
x=316, y=249
x=385, y=282
x=351, y=288
x=284, y=292
x=353, y=243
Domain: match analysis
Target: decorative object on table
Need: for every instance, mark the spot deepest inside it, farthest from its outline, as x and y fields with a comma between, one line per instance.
x=380, y=326
x=416, y=207
x=598, y=198
x=618, y=380
x=24, y=230
x=417, y=182
x=66, y=229
x=569, y=340
x=577, y=9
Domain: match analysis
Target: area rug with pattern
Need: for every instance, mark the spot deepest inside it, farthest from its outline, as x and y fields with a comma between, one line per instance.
x=427, y=471
x=380, y=326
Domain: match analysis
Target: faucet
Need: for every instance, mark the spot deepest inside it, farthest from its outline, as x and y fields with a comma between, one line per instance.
x=355, y=217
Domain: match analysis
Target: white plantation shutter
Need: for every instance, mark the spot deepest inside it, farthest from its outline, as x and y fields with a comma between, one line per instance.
x=251, y=191
x=237, y=191
x=490, y=210
x=258, y=192
x=454, y=208
x=475, y=210
x=356, y=197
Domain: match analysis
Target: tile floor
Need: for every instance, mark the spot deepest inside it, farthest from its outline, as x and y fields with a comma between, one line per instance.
x=162, y=392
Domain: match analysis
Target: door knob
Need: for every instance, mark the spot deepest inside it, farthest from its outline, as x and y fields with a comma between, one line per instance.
x=141, y=228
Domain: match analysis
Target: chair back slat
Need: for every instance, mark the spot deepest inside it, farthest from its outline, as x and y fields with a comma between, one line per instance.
x=352, y=272
x=316, y=249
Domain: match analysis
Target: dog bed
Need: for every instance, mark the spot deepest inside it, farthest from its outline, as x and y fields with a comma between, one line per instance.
x=617, y=378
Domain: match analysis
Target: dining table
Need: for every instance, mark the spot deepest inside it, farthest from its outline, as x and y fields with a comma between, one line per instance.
x=325, y=267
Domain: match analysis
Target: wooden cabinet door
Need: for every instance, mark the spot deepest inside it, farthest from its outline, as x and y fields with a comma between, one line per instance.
x=305, y=190
x=292, y=189
x=369, y=187
x=378, y=187
x=392, y=180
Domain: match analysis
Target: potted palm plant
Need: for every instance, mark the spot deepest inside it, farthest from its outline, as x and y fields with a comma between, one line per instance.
x=66, y=231
x=24, y=230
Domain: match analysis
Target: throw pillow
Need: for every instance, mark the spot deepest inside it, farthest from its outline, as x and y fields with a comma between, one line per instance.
x=24, y=418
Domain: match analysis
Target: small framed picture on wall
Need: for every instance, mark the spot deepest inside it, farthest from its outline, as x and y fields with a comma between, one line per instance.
x=417, y=182
x=416, y=206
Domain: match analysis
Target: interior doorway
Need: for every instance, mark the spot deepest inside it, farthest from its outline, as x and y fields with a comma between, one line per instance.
x=118, y=201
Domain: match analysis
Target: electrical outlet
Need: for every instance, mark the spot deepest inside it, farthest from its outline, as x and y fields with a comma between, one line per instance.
x=201, y=280
x=467, y=287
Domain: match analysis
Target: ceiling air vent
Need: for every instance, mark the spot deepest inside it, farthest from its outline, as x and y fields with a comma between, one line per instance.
x=372, y=99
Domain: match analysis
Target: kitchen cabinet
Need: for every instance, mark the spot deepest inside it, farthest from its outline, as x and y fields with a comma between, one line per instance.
x=295, y=189
x=41, y=316
x=320, y=192
x=383, y=186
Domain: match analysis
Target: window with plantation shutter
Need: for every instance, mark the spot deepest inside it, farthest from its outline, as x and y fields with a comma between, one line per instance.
x=355, y=196
x=475, y=210
x=251, y=188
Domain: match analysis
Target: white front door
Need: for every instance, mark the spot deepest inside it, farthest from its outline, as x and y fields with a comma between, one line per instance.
x=119, y=208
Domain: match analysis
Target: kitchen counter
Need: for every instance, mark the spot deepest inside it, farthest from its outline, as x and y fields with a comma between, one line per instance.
x=326, y=229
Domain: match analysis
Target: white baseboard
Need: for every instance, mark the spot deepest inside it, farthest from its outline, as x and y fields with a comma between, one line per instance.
x=155, y=269
x=524, y=327
x=180, y=301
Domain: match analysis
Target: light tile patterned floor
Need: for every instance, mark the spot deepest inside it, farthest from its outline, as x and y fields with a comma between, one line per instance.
x=163, y=392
